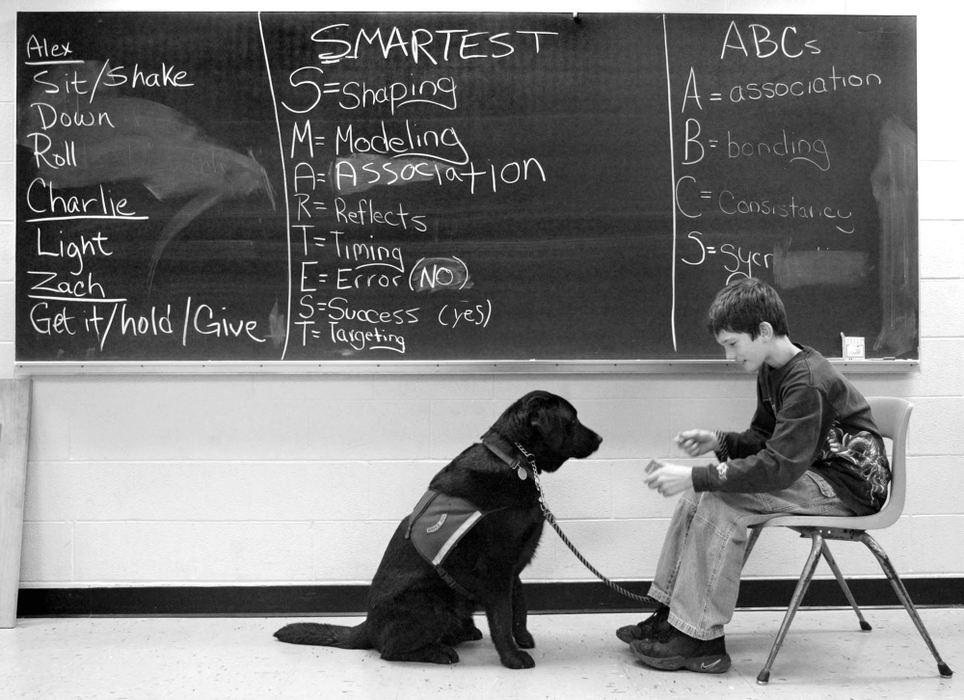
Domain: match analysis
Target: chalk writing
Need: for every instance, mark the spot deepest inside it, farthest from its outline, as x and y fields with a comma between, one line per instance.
x=436, y=92
x=735, y=260
x=352, y=137
x=432, y=46
x=760, y=41
x=766, y=200
x=420, y=186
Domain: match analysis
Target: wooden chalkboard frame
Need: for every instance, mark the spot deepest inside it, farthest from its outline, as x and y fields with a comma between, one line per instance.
x=454, y=367
x=549, y=355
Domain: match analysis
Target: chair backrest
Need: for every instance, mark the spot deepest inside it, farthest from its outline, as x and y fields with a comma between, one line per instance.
x=892, y=416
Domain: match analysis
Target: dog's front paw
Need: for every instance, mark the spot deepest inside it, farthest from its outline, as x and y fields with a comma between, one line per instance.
x=517, y=659
x=524, y=639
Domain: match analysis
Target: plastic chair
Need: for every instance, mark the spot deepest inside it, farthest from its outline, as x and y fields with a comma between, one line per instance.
x=892, y=416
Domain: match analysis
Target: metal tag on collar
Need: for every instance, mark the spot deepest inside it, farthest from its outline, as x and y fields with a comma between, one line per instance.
x=523, y=474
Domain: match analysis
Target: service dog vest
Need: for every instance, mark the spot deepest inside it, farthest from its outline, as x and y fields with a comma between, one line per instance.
x=436, y=526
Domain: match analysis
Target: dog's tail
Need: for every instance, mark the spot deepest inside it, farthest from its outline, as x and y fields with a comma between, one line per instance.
x=325, y=635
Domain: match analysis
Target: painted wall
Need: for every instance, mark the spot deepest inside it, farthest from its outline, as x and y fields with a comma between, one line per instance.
x=276, y=479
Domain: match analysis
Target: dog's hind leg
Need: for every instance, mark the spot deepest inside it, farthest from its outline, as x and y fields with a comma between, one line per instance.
x=415, y=638
x=461, y=625
x=437, y=653
x=419, y=632
x=466, y=632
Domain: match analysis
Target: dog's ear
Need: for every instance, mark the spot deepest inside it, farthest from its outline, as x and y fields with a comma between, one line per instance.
x=524, y=417
x=541, y=410
x=541, y=417
x=551, y=421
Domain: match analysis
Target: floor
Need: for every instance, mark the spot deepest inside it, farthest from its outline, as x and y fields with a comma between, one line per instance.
x=577, y=656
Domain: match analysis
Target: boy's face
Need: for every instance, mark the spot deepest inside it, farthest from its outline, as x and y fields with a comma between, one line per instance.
x=749, y=352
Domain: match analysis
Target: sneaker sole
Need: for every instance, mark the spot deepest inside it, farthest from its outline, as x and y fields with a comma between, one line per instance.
x=715, y=663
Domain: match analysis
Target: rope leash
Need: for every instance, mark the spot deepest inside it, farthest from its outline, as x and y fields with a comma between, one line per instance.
x=551, y=519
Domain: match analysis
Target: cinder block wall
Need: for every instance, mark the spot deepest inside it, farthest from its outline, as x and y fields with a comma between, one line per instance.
x=275, y=479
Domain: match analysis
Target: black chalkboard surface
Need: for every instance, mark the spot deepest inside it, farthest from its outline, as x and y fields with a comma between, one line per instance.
x=373, y=186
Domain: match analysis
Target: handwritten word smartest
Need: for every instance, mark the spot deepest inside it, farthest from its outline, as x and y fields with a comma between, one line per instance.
x=338, y=42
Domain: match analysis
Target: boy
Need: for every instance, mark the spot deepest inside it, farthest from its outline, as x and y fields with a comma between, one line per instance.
x=812, y=448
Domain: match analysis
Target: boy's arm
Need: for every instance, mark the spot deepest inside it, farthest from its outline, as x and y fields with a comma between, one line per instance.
x=752, y=440
x=782, y=458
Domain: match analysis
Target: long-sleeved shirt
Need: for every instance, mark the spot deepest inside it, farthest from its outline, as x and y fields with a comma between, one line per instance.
x=808, y=416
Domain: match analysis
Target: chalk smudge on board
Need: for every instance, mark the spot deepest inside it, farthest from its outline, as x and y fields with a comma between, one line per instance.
x=894, y=182
x=825, y=268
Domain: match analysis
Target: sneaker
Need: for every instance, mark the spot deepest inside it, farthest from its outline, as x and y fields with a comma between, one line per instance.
x=676, y=650
x=646, y=629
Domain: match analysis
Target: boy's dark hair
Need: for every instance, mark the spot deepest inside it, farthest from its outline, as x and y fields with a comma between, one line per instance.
x=741, y=306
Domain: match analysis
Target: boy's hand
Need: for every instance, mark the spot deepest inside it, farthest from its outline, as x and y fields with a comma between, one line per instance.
x=697, y=442
x=668, y=479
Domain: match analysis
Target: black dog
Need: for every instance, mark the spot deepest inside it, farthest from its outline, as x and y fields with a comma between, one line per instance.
x=465, y=544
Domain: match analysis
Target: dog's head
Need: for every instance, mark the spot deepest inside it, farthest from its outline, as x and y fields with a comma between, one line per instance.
x=547, y=426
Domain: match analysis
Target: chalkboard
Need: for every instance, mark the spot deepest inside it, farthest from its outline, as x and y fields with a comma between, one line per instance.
x=446, y=186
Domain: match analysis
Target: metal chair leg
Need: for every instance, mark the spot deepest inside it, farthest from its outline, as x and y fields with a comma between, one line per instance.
x=751, y=543
x=904, y=598
x=806, y=576
x=864, y=625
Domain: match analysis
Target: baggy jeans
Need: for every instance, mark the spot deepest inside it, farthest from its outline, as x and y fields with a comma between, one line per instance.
x=698, y=575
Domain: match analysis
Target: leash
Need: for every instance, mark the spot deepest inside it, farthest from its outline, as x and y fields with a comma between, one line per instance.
x=523, y=473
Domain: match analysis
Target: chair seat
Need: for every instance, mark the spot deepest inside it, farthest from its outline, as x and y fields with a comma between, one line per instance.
x=876, y=521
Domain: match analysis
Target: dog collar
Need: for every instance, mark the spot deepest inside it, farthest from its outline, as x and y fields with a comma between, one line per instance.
x=516, y=465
